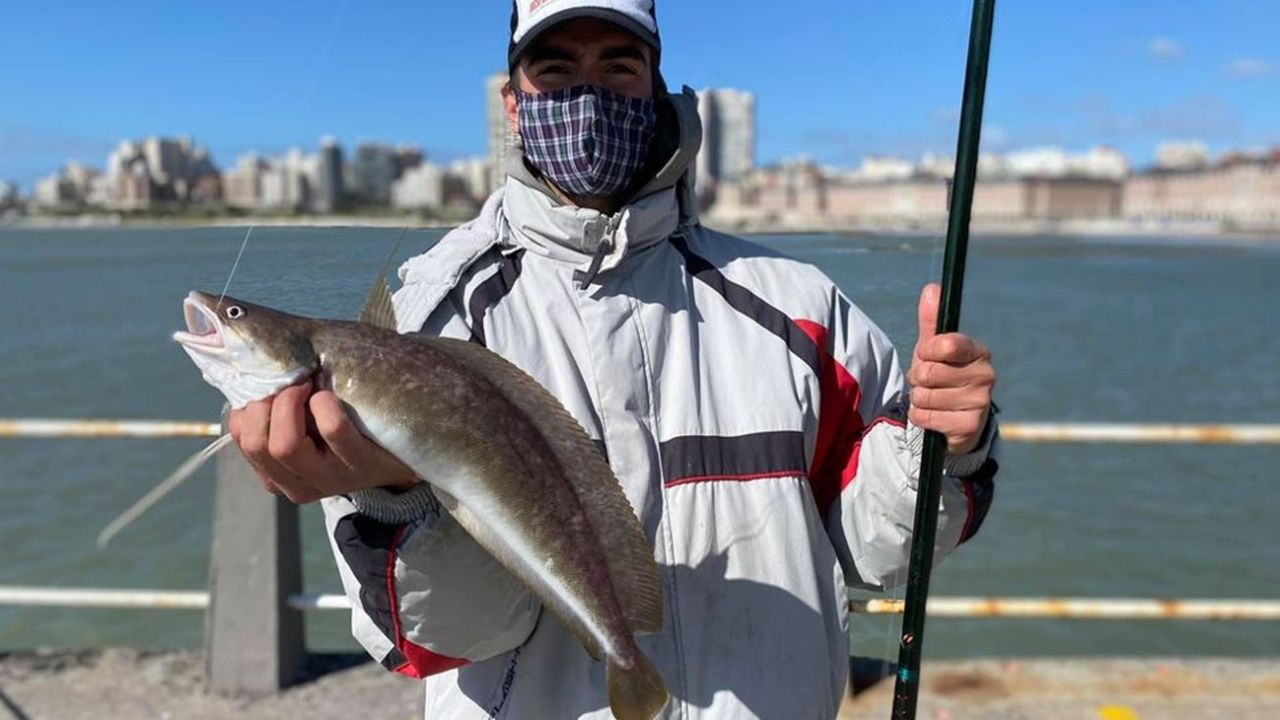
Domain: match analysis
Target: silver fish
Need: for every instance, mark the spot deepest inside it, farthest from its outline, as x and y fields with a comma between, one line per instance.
x=501, y=453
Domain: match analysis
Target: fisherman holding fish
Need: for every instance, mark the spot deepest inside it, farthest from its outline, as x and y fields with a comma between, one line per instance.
x=759, y=423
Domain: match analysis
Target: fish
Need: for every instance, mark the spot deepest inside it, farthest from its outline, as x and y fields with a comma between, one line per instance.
x=501, y=453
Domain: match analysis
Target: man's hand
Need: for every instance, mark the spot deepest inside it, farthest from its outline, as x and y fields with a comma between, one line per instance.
x=304, y=446
x=951, y=380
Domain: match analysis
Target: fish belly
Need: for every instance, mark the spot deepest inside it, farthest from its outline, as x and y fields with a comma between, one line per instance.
x=511, y=501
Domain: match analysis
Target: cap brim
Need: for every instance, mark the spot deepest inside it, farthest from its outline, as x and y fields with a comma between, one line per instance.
x=613, y=16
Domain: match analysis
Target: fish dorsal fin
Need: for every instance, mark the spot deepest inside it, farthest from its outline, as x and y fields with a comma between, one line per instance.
x=632, y=569
x=378, y=309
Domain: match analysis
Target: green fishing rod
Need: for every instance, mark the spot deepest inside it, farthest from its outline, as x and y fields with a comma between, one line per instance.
x=906, y=692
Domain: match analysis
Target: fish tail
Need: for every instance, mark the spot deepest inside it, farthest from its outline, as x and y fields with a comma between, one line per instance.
x=638, y=693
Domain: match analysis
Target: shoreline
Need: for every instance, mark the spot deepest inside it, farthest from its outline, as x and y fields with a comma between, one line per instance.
x=1090, y=229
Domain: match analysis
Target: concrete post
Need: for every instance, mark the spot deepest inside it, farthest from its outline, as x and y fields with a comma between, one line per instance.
x=254, y=642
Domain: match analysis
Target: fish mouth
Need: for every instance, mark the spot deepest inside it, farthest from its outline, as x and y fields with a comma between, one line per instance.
x=204, y=330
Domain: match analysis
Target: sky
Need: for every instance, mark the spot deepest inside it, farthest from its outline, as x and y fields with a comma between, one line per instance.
x=835, y=79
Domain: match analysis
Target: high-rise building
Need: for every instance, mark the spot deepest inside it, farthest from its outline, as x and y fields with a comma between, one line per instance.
x=728, y=139
x=166, y=159
x=329, y=190
x=373, y=173
x=66, y=189
x=242, y=186
x=8, y=195
x=287, y=181
x=502, y=137
x=408, y=157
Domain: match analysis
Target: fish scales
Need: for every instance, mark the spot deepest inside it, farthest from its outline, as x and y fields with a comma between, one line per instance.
x=505, y=458
x=473, y=445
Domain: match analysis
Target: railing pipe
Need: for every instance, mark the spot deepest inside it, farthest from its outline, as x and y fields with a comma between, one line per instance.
x=948, y=607
x=1030, y=432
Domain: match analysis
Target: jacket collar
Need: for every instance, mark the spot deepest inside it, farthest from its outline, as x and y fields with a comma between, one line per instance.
x=584, y=237
x=534, y=218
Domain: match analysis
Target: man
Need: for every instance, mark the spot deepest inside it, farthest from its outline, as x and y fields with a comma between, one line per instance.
x=758, y=421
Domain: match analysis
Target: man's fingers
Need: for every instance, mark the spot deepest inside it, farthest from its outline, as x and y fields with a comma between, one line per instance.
x=944, y=375
x=927, y=314
x=950, y=399
x=339, y=433
x=255, y=428
x=254, y=424
x=961, y=428
x=289, y=444
x=952, y=348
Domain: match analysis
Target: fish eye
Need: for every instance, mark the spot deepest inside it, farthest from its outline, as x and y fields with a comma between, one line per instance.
x=235, y=312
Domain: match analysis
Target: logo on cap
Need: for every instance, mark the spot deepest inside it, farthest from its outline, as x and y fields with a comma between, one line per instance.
x=537, y=4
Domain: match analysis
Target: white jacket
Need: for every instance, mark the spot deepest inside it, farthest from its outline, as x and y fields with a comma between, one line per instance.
x=755, y=418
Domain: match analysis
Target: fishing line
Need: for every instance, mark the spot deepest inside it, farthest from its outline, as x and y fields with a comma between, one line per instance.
x=234, y=265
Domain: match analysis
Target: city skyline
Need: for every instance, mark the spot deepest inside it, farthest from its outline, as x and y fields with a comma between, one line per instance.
x=871, y=79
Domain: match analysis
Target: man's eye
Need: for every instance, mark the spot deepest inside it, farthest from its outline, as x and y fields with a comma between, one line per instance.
x=553, y=70
x=622, y=70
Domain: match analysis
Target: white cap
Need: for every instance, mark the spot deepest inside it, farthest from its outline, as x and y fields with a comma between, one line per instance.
x=531, y=18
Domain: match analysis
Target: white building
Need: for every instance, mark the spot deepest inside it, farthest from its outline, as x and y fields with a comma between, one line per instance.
x=1101, y=163
x=1182, y=155
x=728, y=138
x=287, y=181
x=68, y=188
x=502, y=137
x=884, y=169
x=473, y=177
x=242, y=185
x=420, y=188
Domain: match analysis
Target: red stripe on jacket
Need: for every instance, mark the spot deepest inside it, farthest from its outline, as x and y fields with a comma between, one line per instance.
x=840, y=425
x=419, y=661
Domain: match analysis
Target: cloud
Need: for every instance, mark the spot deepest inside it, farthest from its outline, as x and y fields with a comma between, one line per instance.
x=1091, y=119
x=995, y=136
x=1165, y=49
x=946, y=116
x=1251, y=68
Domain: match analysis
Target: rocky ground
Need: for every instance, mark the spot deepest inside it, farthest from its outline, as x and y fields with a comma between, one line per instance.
x=96, y=685
x=131, y=684
x=1088, y=689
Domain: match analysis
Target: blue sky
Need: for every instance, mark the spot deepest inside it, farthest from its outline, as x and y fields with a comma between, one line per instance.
x=836, y=79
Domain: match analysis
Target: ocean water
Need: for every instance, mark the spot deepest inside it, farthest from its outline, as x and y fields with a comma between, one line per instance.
x=1082, y=329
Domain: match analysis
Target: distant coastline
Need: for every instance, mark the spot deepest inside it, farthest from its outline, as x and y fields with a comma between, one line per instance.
x=1108, y=228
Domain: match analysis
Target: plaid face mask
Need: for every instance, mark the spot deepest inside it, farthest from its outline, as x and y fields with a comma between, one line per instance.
x=587, y=140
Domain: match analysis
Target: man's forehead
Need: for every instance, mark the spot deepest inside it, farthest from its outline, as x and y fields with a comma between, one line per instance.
x=580, y=34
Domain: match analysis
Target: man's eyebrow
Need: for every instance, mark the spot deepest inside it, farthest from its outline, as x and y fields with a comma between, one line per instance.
x=624, y=52
x=540, y=53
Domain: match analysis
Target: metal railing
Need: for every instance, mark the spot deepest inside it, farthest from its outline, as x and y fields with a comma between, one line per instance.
x=949, y=607
x=254, y=640
x=1240, y=434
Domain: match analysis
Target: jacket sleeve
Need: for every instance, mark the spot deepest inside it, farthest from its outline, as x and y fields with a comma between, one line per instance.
x=868, y=457
x=425, y=596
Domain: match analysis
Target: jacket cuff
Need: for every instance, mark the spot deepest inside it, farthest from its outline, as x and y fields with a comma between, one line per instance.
x=392, y=508
x=957, y=465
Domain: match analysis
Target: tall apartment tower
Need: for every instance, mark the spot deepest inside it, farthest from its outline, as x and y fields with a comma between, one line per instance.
x=501, y=134
x=728, y=138
x=329, y=194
